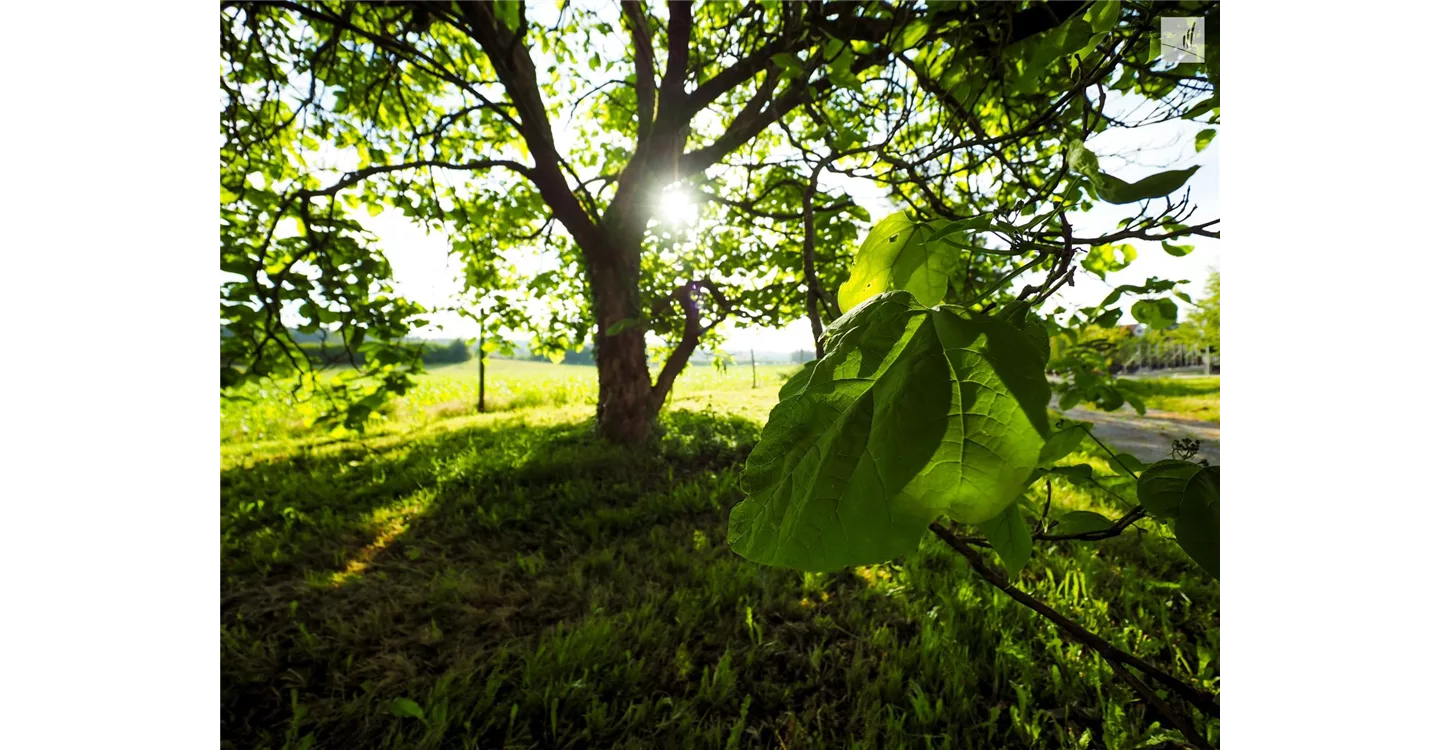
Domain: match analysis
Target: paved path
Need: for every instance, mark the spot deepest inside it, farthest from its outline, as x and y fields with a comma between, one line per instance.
x=1148, y=437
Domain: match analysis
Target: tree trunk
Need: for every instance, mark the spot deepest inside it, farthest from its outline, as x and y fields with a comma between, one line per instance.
x=623, y=414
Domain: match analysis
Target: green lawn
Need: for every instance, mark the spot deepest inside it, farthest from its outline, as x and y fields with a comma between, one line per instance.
x=270, y=417
x=503, y=580
x=1188, y=398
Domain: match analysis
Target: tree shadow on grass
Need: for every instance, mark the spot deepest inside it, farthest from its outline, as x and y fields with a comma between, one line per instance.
x=455, y=526
x=532, y=587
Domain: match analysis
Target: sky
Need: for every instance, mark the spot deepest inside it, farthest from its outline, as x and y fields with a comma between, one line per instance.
x=426, y=273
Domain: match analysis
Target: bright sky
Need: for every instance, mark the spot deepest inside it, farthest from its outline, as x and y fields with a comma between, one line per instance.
x=426, y=273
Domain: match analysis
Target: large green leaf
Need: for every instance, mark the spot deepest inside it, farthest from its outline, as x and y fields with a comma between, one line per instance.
x=1197, y=521
x=912, y=413
x=895, y=256
x=1162, y=486
x=797, y=382
x=824, y=484
x=999, y=418
x=1187, y=495
x=1010, y=537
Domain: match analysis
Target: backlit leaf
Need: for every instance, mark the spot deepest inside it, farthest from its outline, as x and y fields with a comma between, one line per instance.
x=825, y=483
x=1063, y=441
x=1117, y=191
x=1010, y=536
x=912, y=413
x=895, y=256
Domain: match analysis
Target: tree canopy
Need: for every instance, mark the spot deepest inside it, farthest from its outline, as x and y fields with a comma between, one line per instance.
x=559, y=129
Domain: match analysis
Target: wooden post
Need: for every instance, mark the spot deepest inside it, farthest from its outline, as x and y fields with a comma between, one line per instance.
x=481, y=347
x=754, y=381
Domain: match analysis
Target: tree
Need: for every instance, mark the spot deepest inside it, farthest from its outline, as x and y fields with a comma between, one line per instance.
x=448, y=112
x=1205, y=320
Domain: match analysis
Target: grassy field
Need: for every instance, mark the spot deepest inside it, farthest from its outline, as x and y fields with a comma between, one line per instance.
x=1188, y=398
x=265, y=417
x=503, y=580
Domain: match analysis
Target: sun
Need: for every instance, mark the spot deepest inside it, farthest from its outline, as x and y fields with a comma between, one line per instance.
x=677, y=207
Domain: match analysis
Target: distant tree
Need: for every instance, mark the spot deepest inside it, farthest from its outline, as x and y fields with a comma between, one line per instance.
x=1206, y=318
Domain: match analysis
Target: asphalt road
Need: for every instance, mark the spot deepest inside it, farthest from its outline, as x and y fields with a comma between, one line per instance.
x=1149, y=437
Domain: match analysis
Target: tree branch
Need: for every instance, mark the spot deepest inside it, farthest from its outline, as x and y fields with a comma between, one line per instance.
x=761, y=112
x=726, y=80
x=689, y=338
x=1172, y=717
x=1194, y=696
x=511, y=60
x=1021, y=25
x=644, y=67
x=415, y=57
x=677, y=54
x=359, y=175
x=1140, y=234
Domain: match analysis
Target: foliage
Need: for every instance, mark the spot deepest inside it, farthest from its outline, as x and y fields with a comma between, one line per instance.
x=431, y=353
x=1186, y=495
x=1202, y=325
x=917, y=412
x=525, y=128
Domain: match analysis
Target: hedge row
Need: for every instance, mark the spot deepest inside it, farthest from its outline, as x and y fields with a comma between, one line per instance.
x=431, y=353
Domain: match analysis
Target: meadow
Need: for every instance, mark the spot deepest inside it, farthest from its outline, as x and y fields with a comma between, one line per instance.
x=1196, y=398
x=504, y=580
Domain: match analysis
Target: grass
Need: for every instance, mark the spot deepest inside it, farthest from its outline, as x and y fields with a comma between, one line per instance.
x=1188, y=398
x=504, y=580
x=265, y=418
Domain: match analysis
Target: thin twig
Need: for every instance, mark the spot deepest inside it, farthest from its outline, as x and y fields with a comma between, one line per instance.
x=1166, y=710
x=1192, y=695
x=1112, y=453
